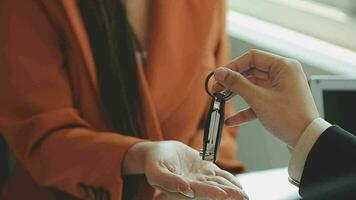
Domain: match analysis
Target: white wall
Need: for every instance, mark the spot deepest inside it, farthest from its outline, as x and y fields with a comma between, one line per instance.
x=257, y=148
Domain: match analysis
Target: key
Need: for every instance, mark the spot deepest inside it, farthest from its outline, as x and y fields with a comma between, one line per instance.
x=213, y=127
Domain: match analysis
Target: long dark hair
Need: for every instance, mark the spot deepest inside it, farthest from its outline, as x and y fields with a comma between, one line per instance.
x=112, y=43
x=113, y=47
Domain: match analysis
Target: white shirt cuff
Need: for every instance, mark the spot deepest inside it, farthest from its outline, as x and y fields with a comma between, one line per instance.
x=303, y=147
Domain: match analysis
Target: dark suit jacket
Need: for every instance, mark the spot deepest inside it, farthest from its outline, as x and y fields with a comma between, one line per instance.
x=330, y=168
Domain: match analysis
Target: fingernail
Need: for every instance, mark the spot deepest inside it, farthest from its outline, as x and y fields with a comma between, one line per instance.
x=220, y=74
x=227, y=122
x=230, y=122
x=188, y=193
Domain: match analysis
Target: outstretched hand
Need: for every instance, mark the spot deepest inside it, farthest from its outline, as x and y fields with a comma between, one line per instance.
x=178, y=172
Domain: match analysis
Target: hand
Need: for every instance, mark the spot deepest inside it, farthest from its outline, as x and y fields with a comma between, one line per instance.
x=275, y=88
x=179, y=173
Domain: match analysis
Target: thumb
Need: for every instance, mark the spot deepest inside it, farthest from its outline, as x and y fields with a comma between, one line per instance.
x=241, y=117
x=237, y=83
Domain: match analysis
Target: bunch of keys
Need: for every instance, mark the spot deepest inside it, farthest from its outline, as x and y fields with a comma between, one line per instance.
x=215, y=122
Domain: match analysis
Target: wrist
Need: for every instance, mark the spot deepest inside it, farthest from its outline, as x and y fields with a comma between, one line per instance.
x=296, y=128
x=302, y=128
x=304, y=145
x=135, y=158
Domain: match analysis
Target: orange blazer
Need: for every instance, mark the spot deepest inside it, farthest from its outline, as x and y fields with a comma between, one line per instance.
x=50, y=110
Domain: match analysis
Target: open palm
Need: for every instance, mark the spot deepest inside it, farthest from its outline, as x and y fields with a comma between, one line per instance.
x=179, y=173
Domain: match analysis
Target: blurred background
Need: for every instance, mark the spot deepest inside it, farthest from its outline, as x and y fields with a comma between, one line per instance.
x=319, y=33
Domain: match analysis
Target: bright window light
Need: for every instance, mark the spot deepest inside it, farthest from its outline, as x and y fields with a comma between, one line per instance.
x=317, y=8
x=319, y=53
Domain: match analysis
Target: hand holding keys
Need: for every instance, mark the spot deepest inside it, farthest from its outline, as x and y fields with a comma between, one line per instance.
x=214, y=124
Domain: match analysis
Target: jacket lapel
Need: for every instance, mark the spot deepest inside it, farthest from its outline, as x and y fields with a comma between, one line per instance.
x=77, y=25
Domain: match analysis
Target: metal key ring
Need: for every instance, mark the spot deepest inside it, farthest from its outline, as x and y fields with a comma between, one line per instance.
x=226, y=96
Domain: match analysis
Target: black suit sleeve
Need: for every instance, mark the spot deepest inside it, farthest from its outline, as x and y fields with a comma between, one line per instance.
x=330, y=168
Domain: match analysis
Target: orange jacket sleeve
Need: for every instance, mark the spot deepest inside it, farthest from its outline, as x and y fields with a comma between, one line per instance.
x=37, y=117
x=228, y=148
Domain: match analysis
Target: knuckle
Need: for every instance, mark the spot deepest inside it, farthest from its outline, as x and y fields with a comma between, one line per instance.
x=294, y=64
x=201, y=178
x=253, y=52
x=291, y=63
x=295, y=67
x=208, y=171
x=282, y=62
x=227, y=174
x=232, y=78
x=222, y=179
x=217, y=179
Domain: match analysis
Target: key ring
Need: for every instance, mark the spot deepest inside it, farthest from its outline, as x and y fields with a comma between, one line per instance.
x=226, y=96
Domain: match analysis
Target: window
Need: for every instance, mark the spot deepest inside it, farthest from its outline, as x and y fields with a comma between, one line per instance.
x=319, y=32
x=347, y=6
x=330, y=20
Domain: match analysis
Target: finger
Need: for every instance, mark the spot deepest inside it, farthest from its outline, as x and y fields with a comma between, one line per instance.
x=222, y=181
x=205, y=190
x=238, y=84
x=252, y=79
x=253, y=75
x=254, y=59
x=171, y=182
x=166, y=195
x=231, y=192
x=229, y=177
x=217, y=87
x=241, y=117
x=259, y=74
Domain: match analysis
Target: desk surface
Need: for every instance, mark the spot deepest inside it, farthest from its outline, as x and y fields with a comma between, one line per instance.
x=270, y=184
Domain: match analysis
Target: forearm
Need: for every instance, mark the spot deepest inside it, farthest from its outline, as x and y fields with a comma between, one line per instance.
x=68, y=158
